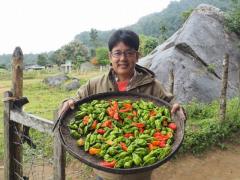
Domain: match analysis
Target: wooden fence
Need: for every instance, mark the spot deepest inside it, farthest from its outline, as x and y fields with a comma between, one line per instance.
x=17, y=122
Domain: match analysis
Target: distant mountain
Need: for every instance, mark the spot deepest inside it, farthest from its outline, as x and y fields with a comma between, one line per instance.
x=150, y=25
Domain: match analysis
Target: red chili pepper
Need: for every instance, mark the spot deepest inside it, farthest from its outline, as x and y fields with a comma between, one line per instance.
x=127, y=105
x=94, y=124
x=110, y=112
x=100, y=131
x=162, y=144
x=107, y=123
x=156, y=143
x=85, y=120
x=116, y=116
x=115, y=105
x=138, y=125
x=172, y=126
x=160, y=137
x=157, y=134
x=127, y=135
x=152, y=113
x=141, y=130
x=151, y=147
x=94, y=151
x=123, y=110
x=134, y=113
x=108, y=164
x=123, y=146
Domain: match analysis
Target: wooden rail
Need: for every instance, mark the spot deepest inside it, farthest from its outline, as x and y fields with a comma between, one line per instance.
x=32, y=121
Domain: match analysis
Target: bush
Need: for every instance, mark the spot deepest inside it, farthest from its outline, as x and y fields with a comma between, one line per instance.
x=232, y=17
x=102, y=56
x=204, y=130
x=147, y=44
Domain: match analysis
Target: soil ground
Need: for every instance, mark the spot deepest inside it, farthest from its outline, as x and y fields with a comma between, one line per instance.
x=216, y=164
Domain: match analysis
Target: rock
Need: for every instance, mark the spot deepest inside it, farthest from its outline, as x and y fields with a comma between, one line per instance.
x=74, y=84
x=195, y=53
x=57, y=80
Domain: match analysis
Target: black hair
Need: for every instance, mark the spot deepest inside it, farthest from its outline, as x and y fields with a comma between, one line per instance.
x=128, y=37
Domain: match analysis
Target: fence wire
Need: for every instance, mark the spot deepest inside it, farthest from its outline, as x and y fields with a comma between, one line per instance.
x=38, y=158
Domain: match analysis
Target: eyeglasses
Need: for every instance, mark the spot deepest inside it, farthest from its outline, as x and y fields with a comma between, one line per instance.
x=127, y=53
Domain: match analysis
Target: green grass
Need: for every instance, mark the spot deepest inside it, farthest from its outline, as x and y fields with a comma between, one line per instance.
x=204, y=130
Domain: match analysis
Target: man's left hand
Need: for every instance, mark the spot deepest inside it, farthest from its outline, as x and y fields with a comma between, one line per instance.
x=176, y=107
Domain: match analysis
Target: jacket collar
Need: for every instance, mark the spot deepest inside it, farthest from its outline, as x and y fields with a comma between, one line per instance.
x=142, y=76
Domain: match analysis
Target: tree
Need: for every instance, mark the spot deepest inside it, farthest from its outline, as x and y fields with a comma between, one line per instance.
x=233, y=17
x=102, y=56
x=163, y=33
x=73, y=51
x=42, y=59
x=94, y=41
x=3, y=66
x=147, y=44
x=186, y=14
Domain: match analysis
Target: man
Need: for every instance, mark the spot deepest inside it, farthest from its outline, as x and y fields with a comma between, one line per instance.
x=124, y=75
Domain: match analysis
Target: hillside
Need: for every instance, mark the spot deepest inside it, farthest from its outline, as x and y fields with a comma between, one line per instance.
x=150, y=25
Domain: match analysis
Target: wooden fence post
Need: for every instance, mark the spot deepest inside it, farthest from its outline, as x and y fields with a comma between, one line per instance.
x=17, y=90
x=59, y=156
x=171, y=81
x=224, y=88
x=8, y=138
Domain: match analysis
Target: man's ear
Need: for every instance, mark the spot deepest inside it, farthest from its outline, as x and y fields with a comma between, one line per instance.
x=138, y=56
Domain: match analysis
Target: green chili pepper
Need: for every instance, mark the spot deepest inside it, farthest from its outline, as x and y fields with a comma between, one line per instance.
x=73, y=126
x=80, y=115
x=108, y=158
x=93, y=139
x=158, y=124
x=150, y=161
x=97, y=145
x=141, y=152
x=120, y=163
x=86, y=143
x=122, y=155
x=131, y=148
x=101, y=116
x=128, y=164
x=75, y=134
x=137, y=159
x=141, y=142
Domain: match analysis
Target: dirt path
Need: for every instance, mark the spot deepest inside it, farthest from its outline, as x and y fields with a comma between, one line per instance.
x=213, y=165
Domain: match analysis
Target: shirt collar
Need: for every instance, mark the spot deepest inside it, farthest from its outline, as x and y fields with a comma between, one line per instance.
x=117, y=79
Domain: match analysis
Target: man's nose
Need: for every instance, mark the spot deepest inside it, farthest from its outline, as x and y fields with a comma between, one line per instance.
x=123, y=56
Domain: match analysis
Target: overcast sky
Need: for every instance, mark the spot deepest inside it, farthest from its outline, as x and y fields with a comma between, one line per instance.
x=44, y=25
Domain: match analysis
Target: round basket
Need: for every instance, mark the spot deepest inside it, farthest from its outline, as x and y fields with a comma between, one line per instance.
x=70, y=143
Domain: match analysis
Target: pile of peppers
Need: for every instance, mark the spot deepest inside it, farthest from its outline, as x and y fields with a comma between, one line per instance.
x=123, y=133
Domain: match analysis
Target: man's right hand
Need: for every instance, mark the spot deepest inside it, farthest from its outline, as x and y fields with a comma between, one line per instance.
x=66, y=105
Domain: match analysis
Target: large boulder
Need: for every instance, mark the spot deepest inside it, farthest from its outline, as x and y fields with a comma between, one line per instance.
x=72, y=85
x=56, y=80
x=195, y=53
x=63, y=81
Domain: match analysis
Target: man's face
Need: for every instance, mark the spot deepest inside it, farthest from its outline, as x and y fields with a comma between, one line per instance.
x=123, y=59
